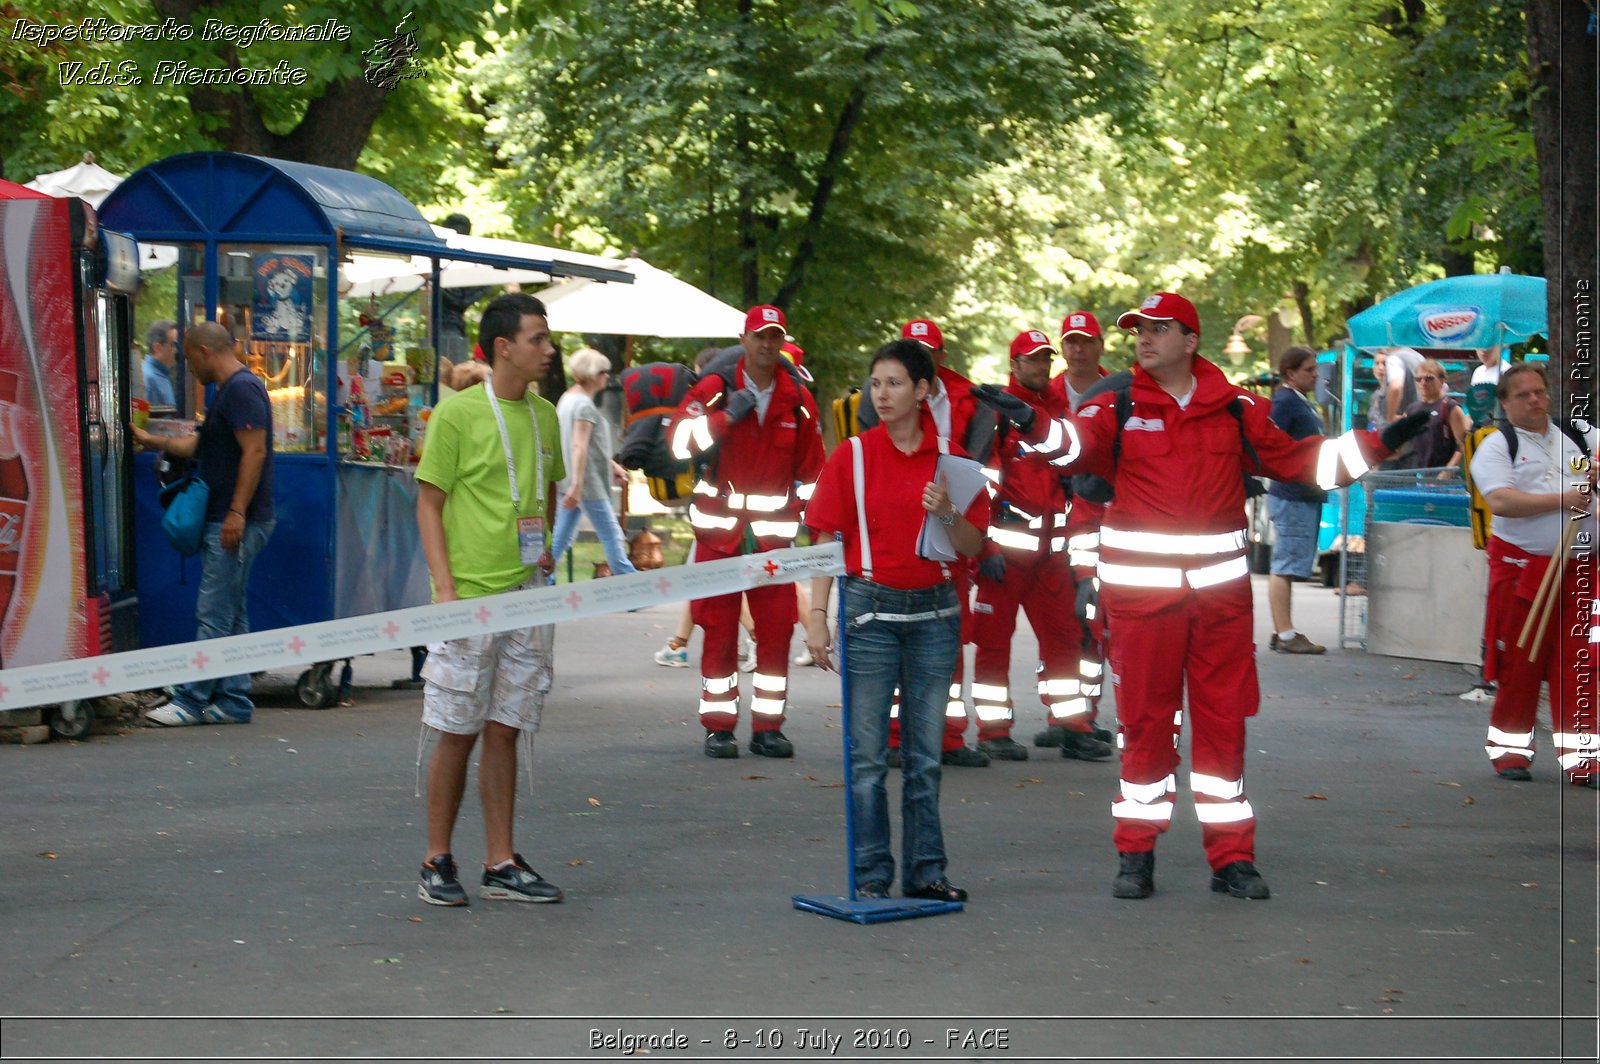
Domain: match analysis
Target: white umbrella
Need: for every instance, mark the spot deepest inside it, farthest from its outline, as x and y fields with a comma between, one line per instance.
x=92, y=183
x=655, y=304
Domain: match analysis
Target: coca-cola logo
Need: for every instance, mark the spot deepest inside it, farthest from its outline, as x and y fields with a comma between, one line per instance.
x=1445, y=327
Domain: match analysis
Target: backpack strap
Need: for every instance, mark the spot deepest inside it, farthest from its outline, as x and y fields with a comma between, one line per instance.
x=1236, y=408
x=1575, y=434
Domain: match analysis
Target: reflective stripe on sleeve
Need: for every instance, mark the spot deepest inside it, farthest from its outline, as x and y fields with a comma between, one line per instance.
x=700, y=519
x=1172, y=543
x=1010, y=537
x=780, y=529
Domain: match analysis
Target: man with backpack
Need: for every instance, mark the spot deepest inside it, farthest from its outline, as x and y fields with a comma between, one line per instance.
x=757, y=435
x=1174, y=578
x=1537, y=476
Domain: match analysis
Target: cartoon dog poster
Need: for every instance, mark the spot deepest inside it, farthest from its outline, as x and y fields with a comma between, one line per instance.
x=283, y=298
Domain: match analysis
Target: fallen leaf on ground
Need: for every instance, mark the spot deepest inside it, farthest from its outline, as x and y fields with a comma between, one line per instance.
x=1530, y=884
x=1412, y=675
x=575, y=862
x=414, y=919
x=1445, y=783
x=755, y=777
x=48, y=855
x=1469, y=800
x=594, y=801
x=1316, y=797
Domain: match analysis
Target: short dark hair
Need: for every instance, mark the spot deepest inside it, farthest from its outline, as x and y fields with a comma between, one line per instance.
x=1503, y=389
x=157, y=333
x=910, y=354
x=1293, y=358
x=459, y=222
x=503, y=317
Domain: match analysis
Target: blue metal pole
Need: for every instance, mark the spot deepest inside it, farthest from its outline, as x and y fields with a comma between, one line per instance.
x=849, y=747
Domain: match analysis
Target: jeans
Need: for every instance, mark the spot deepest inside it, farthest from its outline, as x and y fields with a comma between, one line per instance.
x=604, y=520
x=919, y=657
x=220, y=611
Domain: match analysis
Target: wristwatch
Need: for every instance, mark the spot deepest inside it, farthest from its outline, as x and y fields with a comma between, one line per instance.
x=948, y=520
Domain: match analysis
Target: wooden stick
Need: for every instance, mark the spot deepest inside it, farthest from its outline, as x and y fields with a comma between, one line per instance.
x=1553, y=577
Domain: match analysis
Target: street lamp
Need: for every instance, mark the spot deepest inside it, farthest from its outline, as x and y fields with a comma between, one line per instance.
x=1236, y=349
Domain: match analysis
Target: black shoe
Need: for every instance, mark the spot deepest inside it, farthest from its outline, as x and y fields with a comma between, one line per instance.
x=1515, y=775
x=721, y=744
x=1051, y=736
x=439, y=884
x=965, y=757
x=1003, y=749
x=517, y=882
x=1080, y=747
x=771, y=744
x=894, y=757
x=873, y=888
x=1104, y=736
x=1241, y=880
x=1136, y=878
x=938, y=890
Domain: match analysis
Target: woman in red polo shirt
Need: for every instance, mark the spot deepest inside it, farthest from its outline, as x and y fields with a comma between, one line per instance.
x=903, y=617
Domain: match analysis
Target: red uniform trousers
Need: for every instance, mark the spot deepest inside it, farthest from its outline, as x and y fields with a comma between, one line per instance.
x=1565, y=662
x=1202, y=639
x=955, y=708
x=1042, y=585
x=773, y=610
x=1506, y=564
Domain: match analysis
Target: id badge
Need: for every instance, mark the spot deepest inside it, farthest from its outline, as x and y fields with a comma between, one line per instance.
x=530, y=539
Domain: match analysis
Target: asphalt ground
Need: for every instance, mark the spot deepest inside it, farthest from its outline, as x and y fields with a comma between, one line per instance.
x=228, y=891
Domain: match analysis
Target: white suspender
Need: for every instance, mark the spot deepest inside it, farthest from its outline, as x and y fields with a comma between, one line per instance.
x=858, y=468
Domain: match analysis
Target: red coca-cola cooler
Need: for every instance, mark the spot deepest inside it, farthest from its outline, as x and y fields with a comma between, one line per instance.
x=66, y=558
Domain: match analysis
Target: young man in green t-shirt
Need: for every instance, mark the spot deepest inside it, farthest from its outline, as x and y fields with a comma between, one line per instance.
x=486, y=498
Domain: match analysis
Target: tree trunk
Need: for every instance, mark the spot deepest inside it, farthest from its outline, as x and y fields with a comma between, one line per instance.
x=1561, y=57
x=1302, y=299
x=332, y=132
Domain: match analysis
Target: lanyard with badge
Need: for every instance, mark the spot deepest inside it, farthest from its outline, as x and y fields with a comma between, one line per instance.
x=530, y=530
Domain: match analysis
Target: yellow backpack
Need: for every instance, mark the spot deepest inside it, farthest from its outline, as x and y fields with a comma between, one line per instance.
x=1477, y=507
x=846, y=422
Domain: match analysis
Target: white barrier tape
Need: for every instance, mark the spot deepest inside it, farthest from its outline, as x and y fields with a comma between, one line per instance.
x=307, y=644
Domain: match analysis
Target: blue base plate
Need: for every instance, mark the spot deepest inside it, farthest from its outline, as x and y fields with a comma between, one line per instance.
x=873, y=910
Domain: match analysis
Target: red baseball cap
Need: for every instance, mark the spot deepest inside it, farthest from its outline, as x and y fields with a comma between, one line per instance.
x=764, y=317
x=1080, y=323
x=1163, y=306
x=796, y=353
x=923, y=331
x=1028, y=341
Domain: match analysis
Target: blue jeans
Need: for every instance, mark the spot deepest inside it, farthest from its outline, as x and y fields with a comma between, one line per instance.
x=604, y=520
x=919, y=657
x=220, y=611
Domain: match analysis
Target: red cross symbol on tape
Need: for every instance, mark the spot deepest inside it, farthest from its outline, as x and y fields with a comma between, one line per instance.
x=4, y=690
x=483, y=615
x=771, y=567
x=200, y=660
x=574, y=600
x=101, y=675
x=297, y=645
x=391, y=629
x=663, y=585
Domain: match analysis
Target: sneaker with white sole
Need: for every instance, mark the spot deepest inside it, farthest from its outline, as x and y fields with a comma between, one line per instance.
x=804, y=658
x=517, y=882
x=747, y=662
x=440, y=885
x=173, y=715
x=213, y=715
x=673, y=657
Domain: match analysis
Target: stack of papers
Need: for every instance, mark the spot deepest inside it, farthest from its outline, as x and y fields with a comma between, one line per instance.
x=964, y=479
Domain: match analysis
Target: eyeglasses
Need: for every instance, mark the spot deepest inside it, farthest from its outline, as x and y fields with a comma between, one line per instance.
x=1154, y=328
x=1041, y=359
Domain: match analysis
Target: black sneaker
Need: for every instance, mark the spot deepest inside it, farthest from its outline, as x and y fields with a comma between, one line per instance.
x=964, y=757
x=939, y=890
x=1051, y=736
x=771, y=744
x=517, y=882
x=873, y=888
x=1241, y=880
x=721, y=744
x=1078, y=746
x=439, y=884
x=1516, y=774
x=1136, y=877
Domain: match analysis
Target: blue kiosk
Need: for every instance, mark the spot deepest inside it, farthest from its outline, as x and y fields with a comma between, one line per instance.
x=260, y=246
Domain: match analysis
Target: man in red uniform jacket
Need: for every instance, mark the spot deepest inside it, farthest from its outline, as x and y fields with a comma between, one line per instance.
x=1024, y=564
x=760, y=444
x=1174, y=579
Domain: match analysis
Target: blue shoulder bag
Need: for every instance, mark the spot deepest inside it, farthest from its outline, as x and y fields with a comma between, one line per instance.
x=184, y=521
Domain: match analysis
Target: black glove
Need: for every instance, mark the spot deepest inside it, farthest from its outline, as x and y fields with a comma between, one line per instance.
x=1402, y=431
x=737, y=405
x=1091, y=488
x=1086, y=594
x=993, y=567
x=1009, y=406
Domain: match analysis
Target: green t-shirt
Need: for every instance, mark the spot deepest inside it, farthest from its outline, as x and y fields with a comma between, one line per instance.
x=465, y=458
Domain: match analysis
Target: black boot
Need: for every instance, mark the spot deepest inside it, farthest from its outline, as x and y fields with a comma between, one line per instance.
x=1241, y=880
x=721, y=744
x=1136, y=878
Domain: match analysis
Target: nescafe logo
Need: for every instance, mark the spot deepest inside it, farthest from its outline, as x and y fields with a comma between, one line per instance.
x=1448, y=326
